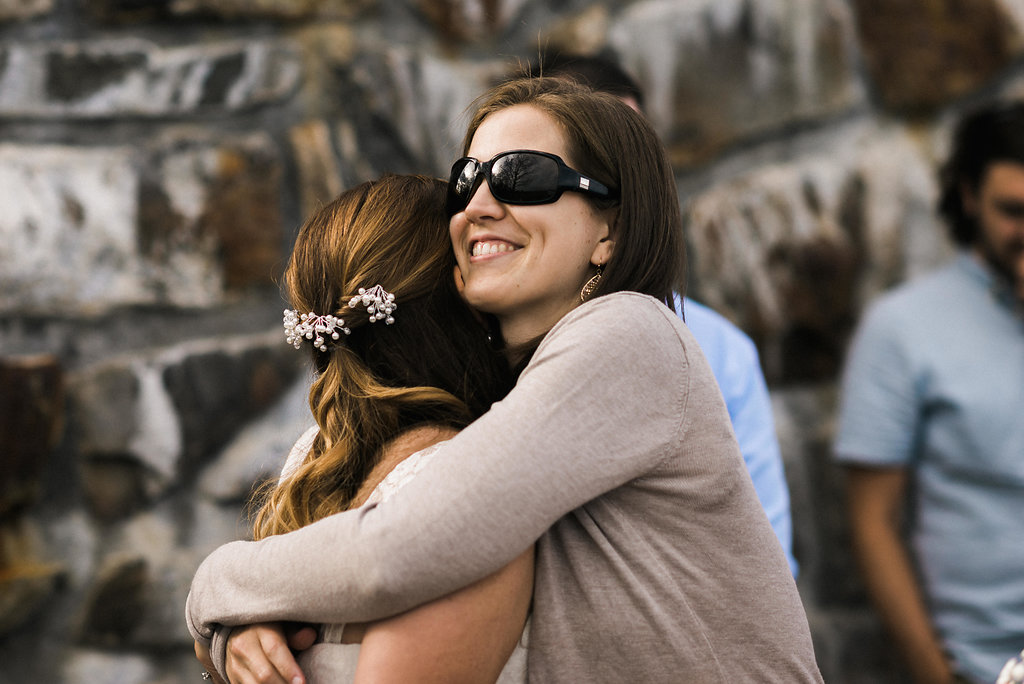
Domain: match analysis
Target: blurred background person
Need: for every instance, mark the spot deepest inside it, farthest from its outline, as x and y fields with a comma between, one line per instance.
x=932, y=424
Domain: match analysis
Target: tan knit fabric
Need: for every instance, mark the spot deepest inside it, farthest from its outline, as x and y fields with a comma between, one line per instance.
x=614, y=452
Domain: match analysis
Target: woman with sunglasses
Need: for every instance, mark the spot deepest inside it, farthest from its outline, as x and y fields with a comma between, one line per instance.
x=613, y=453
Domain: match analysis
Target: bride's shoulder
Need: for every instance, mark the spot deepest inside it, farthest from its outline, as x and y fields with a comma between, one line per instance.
x=410, y=465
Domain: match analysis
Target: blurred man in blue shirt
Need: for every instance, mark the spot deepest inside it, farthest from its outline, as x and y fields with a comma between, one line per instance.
x=932, y=425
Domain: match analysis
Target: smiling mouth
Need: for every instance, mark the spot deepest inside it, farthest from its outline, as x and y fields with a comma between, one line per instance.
x=488, y=247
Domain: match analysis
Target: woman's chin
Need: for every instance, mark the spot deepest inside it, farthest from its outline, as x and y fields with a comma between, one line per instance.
x=490, y=300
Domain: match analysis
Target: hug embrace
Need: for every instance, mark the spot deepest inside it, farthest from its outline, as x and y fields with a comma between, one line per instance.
x=542, y=485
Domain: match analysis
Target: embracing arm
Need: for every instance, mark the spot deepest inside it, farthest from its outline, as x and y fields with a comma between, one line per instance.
x=553, y=444
x=464, y=638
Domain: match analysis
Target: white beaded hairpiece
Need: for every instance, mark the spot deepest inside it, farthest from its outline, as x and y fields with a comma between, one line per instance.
x=1013, y=670
x=297, y=328
x=379, y=305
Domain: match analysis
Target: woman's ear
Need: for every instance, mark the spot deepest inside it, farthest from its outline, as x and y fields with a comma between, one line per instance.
x=606, y=245
x=603, y=252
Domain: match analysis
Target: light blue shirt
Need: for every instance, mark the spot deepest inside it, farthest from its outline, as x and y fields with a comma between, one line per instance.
x=934, y=382
x=737, y=368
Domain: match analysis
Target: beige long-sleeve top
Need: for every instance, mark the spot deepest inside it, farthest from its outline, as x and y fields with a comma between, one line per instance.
x=614, y=453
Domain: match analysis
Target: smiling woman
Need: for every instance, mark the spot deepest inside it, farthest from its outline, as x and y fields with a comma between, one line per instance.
x=526, y=263
x=613, y=453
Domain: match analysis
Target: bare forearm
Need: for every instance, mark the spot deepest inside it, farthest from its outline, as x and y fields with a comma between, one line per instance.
x=875, y=502
x=894, y=592
x=464, y=638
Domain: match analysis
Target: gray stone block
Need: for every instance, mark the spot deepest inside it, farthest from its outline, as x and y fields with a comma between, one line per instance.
x=17, y=10
x=105, y=78
x=790, y=250
x=187, y=221
x=717, y=72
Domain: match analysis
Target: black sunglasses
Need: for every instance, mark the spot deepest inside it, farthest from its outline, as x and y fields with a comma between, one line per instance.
x=518, y=177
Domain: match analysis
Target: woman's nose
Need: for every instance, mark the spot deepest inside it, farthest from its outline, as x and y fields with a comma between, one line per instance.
x=483, y=205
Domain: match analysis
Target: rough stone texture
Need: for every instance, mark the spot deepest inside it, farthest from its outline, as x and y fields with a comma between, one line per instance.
x=467, y=20
x=716, y=72
x=24, y=591
x=27, y=580
x=155, y=571
x=209, y=216
x=242, y=214
x=121, y=12
x=789, y=250
x=14, y=10
x=215, y=392
x=258, y=452
x=319, y=175
x=114, y=609
x=103, y=408
x=585, y=33
x=414, y=107
x=68, y=206
x=922, y=54
x=131, y=77
x=87, y=666
x=144, y=423
x=183, y=223
x=849, y=642
x=235, y=9
x=152, y=168
x=31, y=421
x=114, y=487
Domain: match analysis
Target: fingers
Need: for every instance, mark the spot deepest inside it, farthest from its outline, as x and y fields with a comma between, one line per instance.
x=259, y=654
x=203, y=655
x=300, y=637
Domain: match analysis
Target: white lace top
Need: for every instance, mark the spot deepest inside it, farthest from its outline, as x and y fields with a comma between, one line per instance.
x=392, y=482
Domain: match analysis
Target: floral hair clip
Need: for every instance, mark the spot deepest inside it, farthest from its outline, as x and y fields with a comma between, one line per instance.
x=379, y=303
x=310, y=326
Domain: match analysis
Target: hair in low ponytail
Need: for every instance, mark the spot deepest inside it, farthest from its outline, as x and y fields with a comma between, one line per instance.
x=433, y=366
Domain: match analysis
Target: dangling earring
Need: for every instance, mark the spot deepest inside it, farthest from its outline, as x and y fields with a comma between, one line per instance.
x=591, y=285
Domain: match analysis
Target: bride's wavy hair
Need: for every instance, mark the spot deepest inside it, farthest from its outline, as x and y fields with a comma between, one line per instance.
x=433, y=366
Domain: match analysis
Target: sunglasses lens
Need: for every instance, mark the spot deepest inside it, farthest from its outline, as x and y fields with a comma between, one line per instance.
x=520, y=178
x=461, y=184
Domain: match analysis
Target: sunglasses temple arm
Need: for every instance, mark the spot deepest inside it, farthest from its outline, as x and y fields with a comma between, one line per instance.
x=569, y=179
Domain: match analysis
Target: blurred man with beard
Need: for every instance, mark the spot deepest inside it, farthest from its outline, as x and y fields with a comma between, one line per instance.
x=931, y=425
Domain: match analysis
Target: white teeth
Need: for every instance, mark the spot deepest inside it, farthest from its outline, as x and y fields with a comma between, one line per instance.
x=484, y=248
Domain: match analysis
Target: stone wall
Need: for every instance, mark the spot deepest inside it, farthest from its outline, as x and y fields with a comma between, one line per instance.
x=157, y=157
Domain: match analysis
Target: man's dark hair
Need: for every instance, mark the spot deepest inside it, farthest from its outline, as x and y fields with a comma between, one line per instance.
x=596, y=71
x=991, y=134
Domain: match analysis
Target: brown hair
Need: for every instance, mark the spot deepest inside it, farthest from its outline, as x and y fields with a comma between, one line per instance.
x=433, y=366
x=610, y=142
x=993, y=133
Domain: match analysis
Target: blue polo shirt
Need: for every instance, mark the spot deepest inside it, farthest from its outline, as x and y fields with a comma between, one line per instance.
x=934, y=382
x=737, y=368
